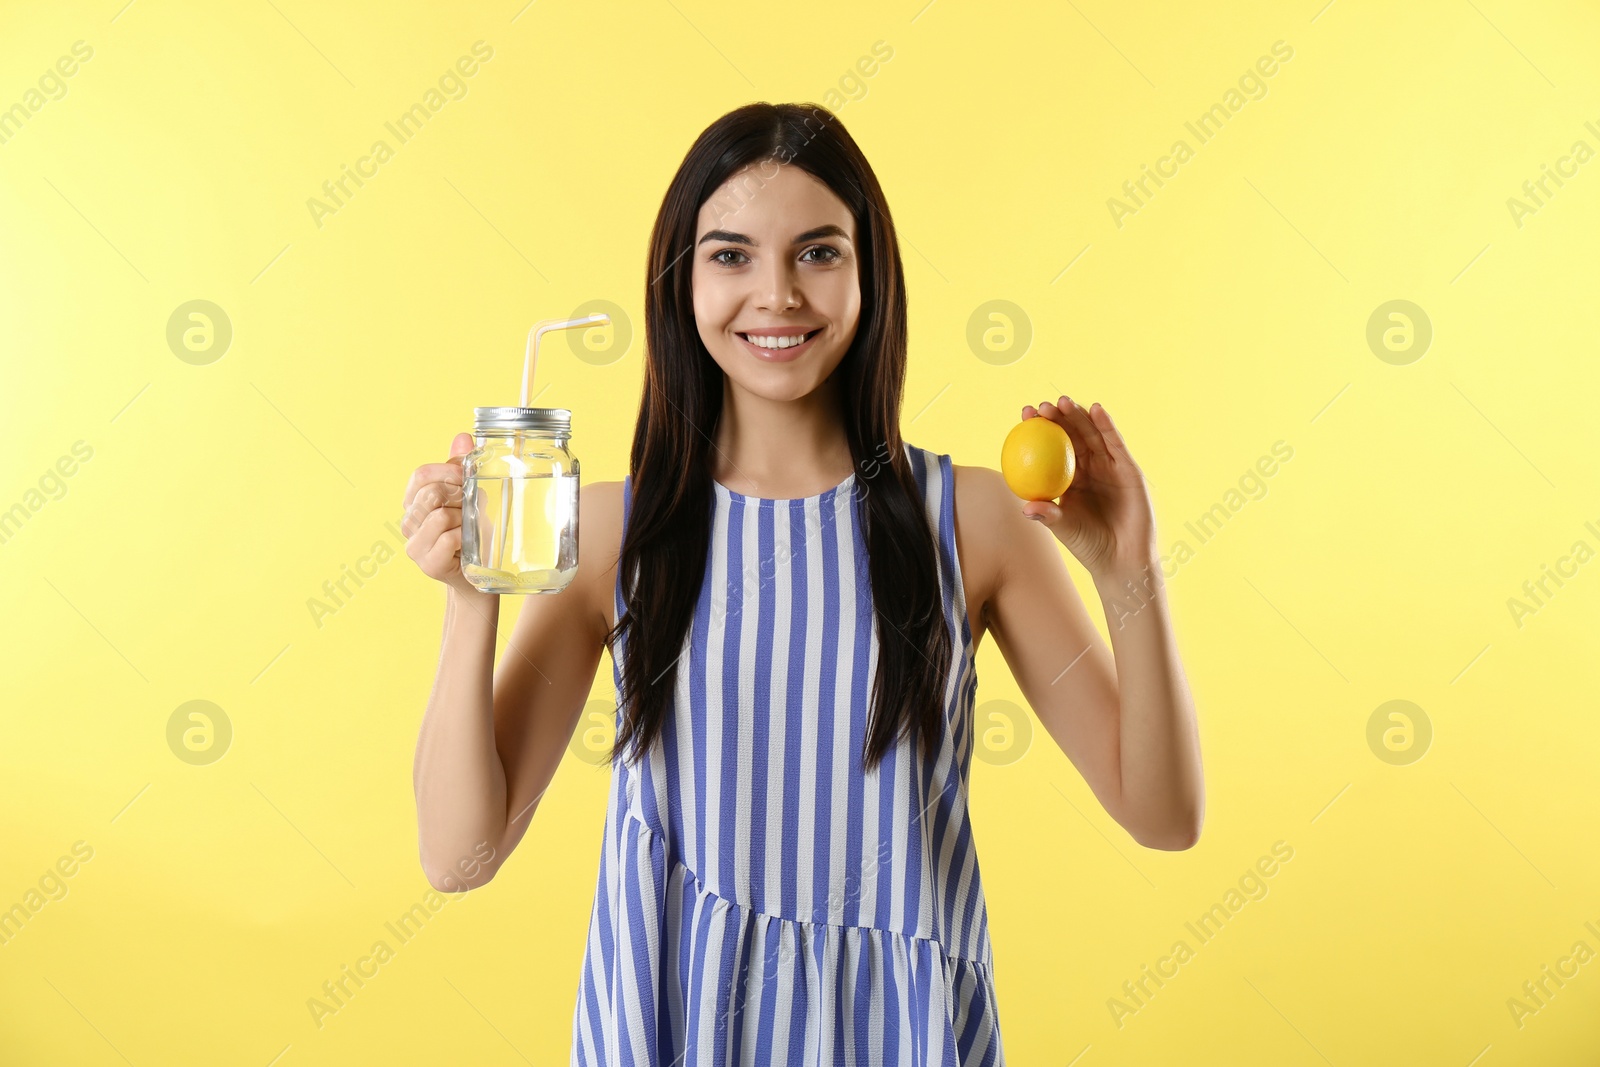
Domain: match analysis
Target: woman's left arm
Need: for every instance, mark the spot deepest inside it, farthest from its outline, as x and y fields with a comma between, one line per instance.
x=1128, y=724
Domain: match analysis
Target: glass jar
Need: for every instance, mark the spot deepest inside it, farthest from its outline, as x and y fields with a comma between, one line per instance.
x=519, y=502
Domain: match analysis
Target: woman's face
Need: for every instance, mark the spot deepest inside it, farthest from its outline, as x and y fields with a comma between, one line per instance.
x=775, y=263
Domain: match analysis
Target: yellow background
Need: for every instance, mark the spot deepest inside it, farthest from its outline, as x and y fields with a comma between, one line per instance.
x=1229, y=313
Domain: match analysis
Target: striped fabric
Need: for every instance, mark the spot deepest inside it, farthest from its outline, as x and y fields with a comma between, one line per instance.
x=761, y=900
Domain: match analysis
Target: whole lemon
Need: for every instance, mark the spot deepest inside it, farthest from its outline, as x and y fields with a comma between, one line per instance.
x=1037, y=459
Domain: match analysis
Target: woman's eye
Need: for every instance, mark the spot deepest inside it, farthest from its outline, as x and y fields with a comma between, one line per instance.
x=828, y=255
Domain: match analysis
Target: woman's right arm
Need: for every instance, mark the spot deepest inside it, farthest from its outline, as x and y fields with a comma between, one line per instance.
x=491, y=739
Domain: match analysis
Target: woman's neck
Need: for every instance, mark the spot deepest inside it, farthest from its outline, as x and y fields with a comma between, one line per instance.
x=781, y=448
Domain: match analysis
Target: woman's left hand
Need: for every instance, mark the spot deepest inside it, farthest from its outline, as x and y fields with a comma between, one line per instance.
x=1105, y=518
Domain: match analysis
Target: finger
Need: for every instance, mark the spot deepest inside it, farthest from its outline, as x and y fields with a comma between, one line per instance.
x=450, y=470
x=1113, y=437
x=1042, y=511
x=1078, y=419
x=438, y=522
x=431, y=472
x=1053, y=413
x=430, y=496
x=434, y=496
x=441, y=556
x=1082, y=445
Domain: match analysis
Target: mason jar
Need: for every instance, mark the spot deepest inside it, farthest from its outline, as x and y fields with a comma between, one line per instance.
x=519, y=503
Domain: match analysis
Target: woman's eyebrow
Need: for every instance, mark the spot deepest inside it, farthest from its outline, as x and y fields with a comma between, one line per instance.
x=741, y=239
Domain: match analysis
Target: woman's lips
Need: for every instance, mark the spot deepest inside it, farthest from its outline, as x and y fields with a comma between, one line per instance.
x=780, y=355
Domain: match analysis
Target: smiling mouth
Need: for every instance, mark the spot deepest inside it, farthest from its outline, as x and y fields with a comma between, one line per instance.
x=777, y=344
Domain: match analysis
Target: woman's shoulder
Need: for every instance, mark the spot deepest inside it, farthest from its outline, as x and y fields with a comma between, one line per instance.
x=600, y=511
x=988, y=517
x=600, y=542
x=979, y=491
x=601, y=495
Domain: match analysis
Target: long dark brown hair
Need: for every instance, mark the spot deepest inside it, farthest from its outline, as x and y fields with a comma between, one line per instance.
x=668, y=531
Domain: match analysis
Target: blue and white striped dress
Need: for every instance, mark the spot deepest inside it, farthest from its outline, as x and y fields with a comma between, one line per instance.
x=760, y=899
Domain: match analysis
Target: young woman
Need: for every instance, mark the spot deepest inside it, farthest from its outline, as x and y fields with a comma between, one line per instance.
x=792, y=596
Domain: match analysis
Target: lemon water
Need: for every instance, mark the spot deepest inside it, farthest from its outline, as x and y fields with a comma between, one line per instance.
x=520, y=534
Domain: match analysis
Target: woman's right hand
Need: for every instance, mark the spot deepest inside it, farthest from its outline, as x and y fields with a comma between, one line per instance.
x=432, y=523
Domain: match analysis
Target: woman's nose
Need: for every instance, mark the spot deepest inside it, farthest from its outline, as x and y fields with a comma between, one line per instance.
x=777, y=288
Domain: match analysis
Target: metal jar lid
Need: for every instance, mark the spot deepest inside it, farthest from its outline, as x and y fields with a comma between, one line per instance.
x=555, y=422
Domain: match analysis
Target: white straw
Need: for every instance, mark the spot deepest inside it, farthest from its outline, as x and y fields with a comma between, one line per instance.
x=508, y=496
x=538, y=331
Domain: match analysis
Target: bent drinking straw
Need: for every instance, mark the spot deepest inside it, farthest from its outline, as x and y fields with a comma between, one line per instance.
x=529, y=361
x=538, y=331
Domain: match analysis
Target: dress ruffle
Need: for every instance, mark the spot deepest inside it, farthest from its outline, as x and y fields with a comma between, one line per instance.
x=742, y=987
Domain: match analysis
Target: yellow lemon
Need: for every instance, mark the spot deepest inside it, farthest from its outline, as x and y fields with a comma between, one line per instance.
x=1037, y=459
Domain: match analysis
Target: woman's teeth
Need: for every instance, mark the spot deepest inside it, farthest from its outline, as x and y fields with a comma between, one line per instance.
x=778, y=342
